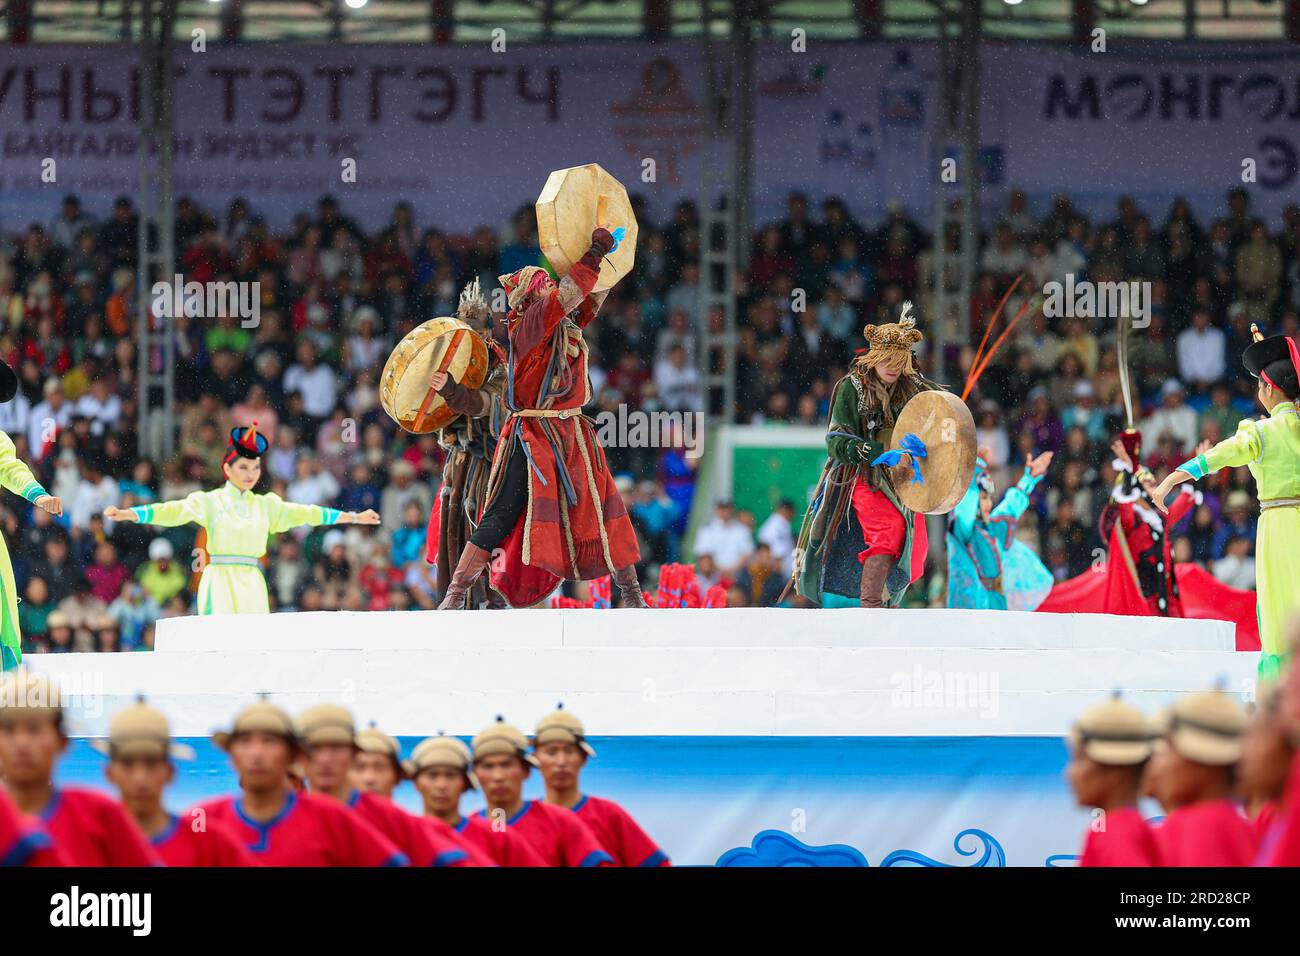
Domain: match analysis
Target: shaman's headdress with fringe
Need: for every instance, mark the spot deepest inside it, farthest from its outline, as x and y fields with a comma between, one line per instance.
x=892, y=343
x=472, y=307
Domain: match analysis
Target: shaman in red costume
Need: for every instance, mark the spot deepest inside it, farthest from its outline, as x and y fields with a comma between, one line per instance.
x=551, y=504
x=1141, y=565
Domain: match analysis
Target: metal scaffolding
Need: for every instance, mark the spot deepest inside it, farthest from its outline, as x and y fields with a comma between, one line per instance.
x=956, y=135
x=724, y=200
x=156, y=258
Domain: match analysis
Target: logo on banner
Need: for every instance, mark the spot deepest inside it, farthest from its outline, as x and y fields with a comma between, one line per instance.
x=661, y=118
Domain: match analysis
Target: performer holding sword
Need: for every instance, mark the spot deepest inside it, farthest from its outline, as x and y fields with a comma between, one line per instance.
x=1271, y=450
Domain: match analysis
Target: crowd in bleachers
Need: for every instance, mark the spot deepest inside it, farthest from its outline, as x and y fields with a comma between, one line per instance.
x=334, y=298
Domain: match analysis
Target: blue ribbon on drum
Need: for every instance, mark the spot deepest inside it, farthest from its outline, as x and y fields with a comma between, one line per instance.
x=911, y=446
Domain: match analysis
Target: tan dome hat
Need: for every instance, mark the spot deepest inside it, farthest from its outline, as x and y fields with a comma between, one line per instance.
x=1113, y=733
x=141, y=731
x=25, y=693
x=561, y=725
x=1207, y=727
x=326, y=724
x=372, y=740
x=441, y=751
x=262, y=716
x=501, y=738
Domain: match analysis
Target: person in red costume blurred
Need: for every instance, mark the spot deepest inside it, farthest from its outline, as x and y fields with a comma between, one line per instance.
x=1138, y=534
x=551, y=506
x=1110, y=745
x=1204, y=825
x=1280, y=843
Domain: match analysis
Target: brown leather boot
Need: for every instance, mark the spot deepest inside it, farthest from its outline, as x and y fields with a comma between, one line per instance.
x=874, y=571
x=629, y=587
x=472, y=562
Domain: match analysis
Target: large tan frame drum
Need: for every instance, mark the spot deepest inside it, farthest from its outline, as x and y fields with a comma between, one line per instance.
x=943, y=422
x=443, y=344
x=575, y=201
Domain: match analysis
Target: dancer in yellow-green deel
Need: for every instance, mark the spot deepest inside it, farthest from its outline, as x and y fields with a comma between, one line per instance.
x=18, y=478
x=1271, y=450
x=238, y=522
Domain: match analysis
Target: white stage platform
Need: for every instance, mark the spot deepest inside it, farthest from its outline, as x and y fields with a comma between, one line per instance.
x=758, y=672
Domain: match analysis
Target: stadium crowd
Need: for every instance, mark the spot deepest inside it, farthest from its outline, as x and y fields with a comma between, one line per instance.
x=334, y=299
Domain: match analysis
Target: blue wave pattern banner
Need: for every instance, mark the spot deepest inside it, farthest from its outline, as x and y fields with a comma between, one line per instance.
x=788, y=801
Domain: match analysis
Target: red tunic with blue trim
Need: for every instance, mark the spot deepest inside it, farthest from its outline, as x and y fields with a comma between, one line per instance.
x=557, y=834
x=310, y=830
x=503, y=847
x=184, y=844
x=91, y=829
x=24, y=842
x=422, y=845
x=1126, y=840
x=1207, y=833
x=618, y=833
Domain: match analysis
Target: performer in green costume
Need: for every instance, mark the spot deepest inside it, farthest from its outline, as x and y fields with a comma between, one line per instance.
x=18, y=478
x=238, y=521
x=1271, y=450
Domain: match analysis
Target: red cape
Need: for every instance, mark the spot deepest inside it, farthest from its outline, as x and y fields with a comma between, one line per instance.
x=1108, y=589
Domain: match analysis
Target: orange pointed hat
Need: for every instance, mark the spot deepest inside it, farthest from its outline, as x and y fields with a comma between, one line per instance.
x=246, y=442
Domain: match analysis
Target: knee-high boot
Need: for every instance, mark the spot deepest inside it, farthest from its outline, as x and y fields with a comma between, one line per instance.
x=472, y=562
x=629, y=587
x=875, y=569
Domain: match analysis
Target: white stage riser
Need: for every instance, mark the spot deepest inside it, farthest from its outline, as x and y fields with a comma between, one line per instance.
x=748, y=672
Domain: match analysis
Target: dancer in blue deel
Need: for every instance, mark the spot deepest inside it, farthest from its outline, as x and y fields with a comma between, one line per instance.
x=988, y=568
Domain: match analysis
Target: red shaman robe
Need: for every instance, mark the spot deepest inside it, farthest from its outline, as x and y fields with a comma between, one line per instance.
x=575, y=525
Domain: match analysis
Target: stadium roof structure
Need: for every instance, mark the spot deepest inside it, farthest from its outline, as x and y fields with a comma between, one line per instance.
x=420, y=21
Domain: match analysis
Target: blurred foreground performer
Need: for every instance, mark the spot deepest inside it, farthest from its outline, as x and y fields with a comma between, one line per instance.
x=561, y=748
x=18, y=478
x=1280, y=845
x=440, y=769
x=278, y=825
x=328, y=738
x=238, y=522
x=23, y=841
x=1110, y=745
x=88, y=828
x=1271, y=450
x=1203, y=826
x=470, y=442
x=1266, y=755
x=377, y=766
x=987, y=567
x=140, y=754
x=502, y=764
x=858, y=540
x=551, y=504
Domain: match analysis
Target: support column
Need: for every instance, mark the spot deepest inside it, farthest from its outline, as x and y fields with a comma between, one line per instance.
x=156, y=208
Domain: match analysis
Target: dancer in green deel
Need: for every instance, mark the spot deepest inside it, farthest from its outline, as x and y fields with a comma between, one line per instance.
x=1271, y=450
x=238, y=522
x=18, y=478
